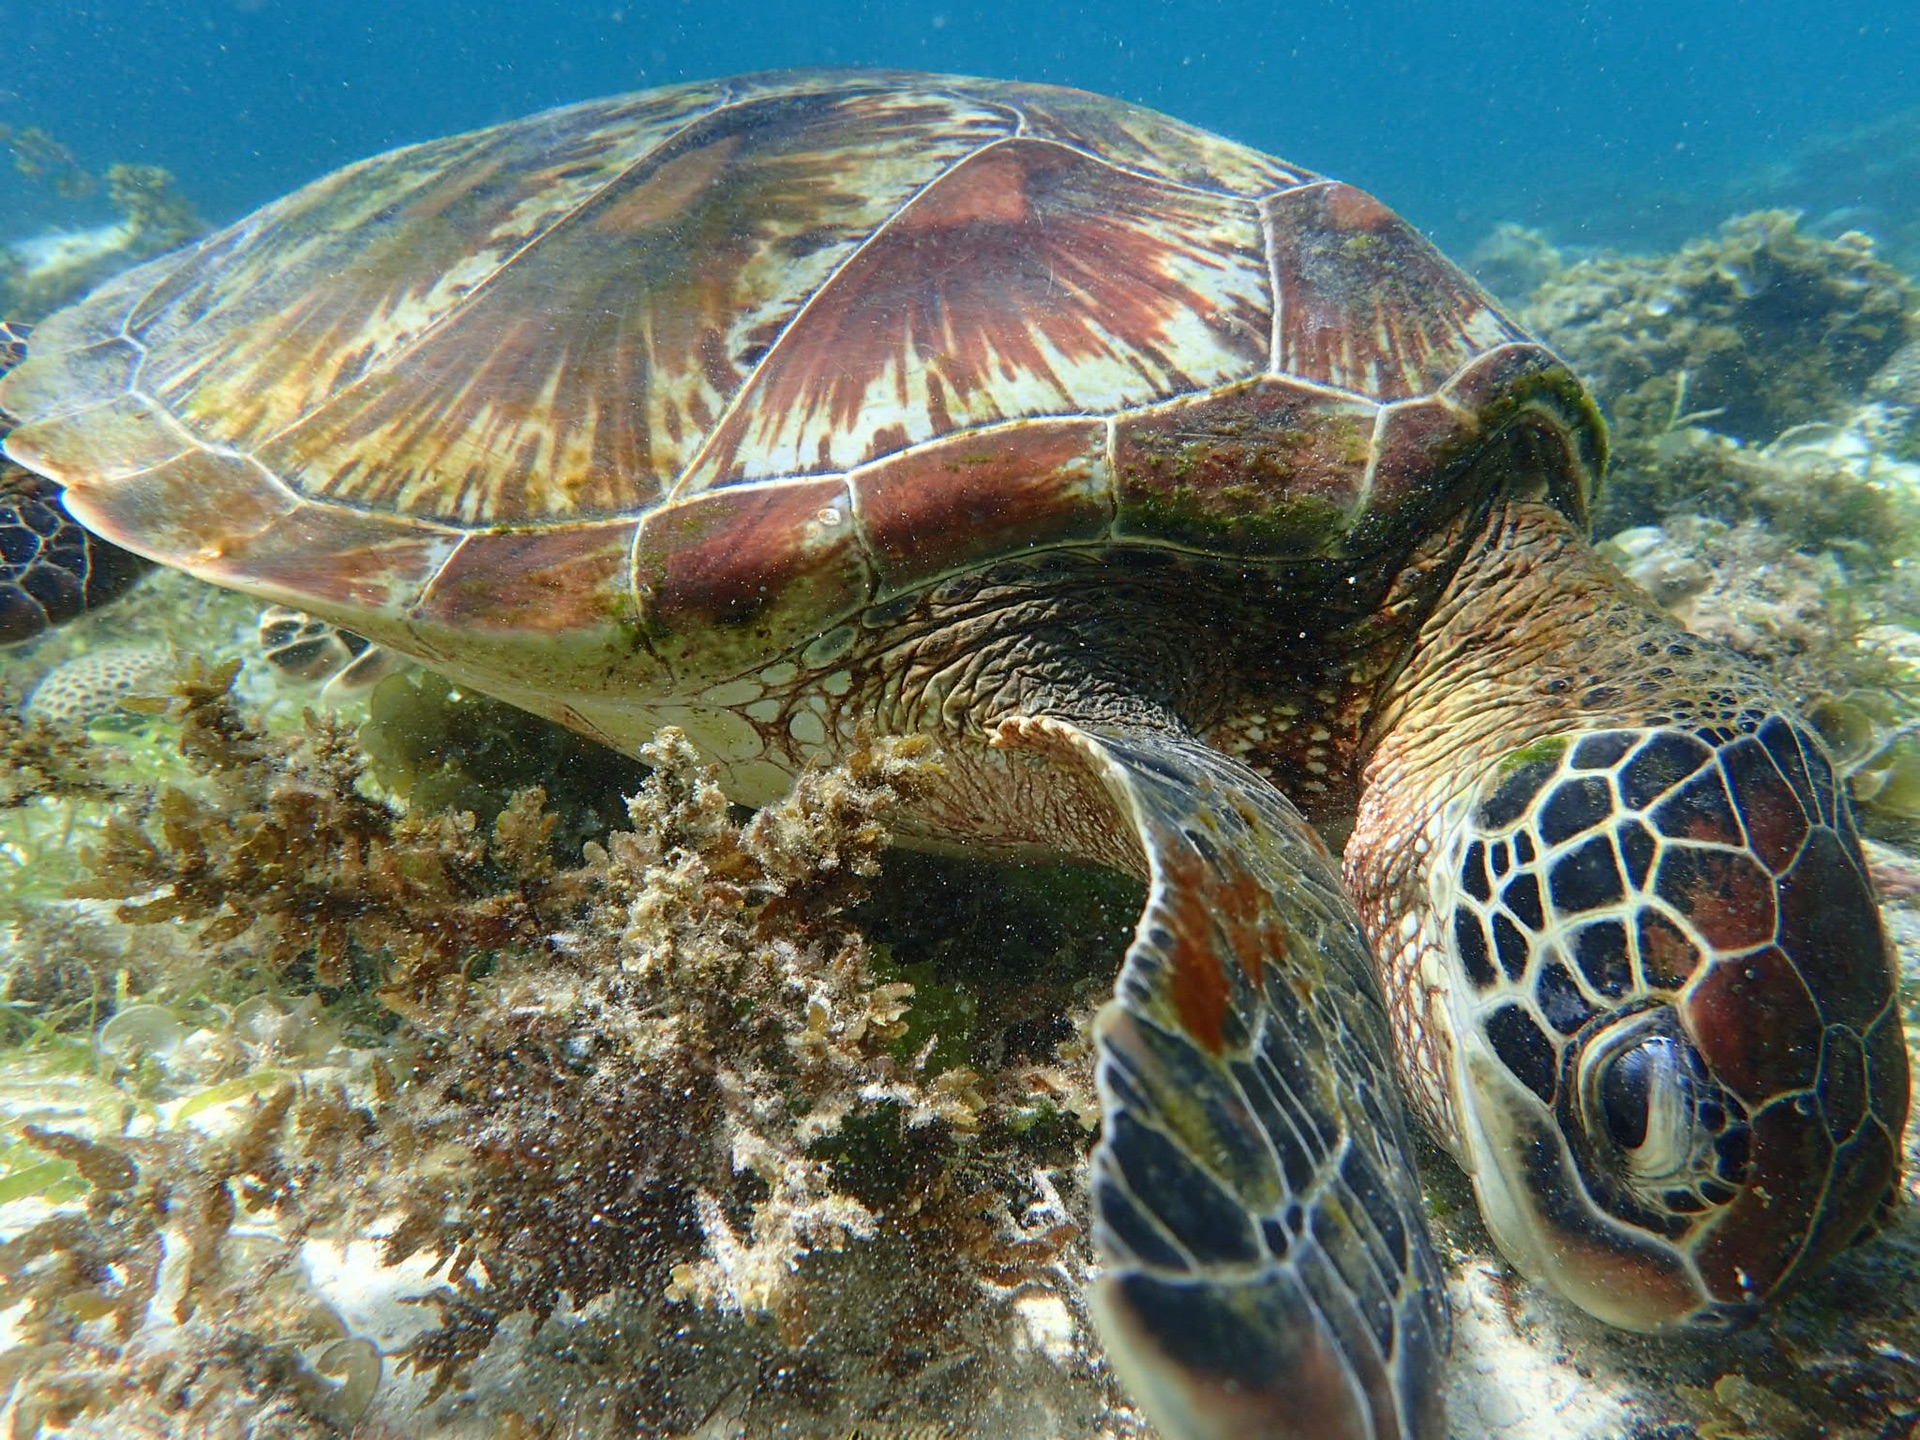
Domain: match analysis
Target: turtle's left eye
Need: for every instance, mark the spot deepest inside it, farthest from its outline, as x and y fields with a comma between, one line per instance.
x=1648, y=1099
x=1653, y=1117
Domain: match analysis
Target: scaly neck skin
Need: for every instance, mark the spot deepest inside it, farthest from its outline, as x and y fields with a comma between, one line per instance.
x=1534, y=637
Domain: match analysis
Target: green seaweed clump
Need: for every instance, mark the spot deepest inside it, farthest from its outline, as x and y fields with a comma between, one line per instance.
x=332, y=883
x=158, y=217
x=1748, y=588
x=1746, y=334
x=44, y=160
x=1878, y=753
x=40, y=762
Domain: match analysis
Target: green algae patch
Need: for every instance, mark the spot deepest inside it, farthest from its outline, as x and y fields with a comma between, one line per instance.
x=937, y=1027
x=1545, y=751
x=50, y=1179
x=1263, y=468
x=241, y=1087
x=1236, y=519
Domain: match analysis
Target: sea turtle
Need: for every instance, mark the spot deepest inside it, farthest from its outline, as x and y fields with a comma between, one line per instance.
x=1208, y=517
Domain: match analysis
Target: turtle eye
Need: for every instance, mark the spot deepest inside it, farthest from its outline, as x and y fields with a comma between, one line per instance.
x=1649, y=1101
x=1652, y=1116
x=1625, y=1088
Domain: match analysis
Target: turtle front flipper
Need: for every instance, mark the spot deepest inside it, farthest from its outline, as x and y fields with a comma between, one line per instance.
x=51, y=568
x=1268, y=1274
x=306, y=649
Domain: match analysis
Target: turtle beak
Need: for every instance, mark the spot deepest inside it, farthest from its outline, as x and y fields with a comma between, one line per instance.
x=1541, y=1217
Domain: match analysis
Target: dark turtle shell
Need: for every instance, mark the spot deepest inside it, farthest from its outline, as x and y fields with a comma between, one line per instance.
x=642, y=395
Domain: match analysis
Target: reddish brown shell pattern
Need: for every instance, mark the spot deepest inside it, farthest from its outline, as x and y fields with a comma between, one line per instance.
x=639, y=395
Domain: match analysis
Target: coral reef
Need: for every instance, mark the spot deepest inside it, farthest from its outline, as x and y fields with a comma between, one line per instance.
x=38, y=276
x=1860, y=179
x=92, y=686
x=1820, y=631
x=674, y=1079
x=1748, y=588
x=1747, y=333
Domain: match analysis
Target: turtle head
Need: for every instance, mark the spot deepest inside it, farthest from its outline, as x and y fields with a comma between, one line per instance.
x=1680, y=1077
x=1644, y=995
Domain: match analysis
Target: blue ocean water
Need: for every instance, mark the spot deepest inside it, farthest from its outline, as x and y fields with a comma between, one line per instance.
x=1602, y=121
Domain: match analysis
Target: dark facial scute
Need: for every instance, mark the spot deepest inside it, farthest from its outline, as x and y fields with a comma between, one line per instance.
x=1574, y=806
x=1658, y=765
x=1775, y=821
x=1470, y=942
x=1600, y=950
x=1515, y=795
x=1668, y=959
x=1522, y=897
x=1524, y=1050
x=1473, y=873
x=1511, y=946
x=1586, y=880
x=1637, y=849
x=1561, y=1002
x=1699, y=810
x=1603, y=751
